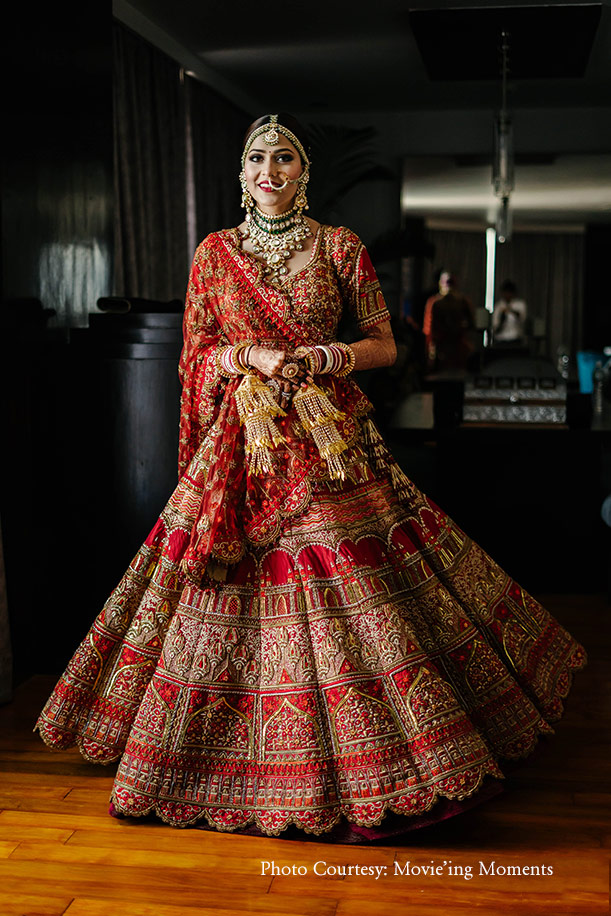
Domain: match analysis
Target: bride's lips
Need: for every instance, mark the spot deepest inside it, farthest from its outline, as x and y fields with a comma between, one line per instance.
x=268, y=186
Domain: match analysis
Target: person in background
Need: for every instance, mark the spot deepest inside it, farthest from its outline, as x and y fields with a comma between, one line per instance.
x=509, y=316
x=442, y=277
x=448, y=320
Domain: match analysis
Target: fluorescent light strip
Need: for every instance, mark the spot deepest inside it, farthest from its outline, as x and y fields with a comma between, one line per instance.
x=490, y=266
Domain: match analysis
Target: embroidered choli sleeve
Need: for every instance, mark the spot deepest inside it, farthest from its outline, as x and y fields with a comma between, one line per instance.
x=363, y=297
x=358, y=281
x=202, y=383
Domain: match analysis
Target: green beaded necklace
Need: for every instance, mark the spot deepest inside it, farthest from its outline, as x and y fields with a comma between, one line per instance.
x=276, y=238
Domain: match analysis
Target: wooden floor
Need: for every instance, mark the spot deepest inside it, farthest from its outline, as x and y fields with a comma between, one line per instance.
x=60, y=853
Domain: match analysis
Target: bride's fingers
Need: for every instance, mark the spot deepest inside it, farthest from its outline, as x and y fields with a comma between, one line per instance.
x=286, y=393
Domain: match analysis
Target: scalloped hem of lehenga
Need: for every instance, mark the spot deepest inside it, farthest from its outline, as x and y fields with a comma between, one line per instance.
x=392, y=826
x=254, y=825
x=74, y=741
x=344, y=831
x=577, y=662
x=396, y=806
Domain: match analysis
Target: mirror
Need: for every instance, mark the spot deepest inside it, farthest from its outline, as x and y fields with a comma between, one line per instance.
x=556, y=199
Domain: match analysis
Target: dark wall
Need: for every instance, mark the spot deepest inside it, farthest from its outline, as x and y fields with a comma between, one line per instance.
x=56, y=255
x=597, y=300
x=57, y=156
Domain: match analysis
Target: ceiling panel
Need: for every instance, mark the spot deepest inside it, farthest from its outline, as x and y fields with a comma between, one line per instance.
x=351, y=56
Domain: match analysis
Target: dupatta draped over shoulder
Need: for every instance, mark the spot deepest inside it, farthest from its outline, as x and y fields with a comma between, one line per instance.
x=229, y=302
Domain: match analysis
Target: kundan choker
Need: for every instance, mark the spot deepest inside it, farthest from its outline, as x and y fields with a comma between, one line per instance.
x=276, y=238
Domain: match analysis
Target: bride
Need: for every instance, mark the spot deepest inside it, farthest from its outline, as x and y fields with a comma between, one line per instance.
x=303, y=638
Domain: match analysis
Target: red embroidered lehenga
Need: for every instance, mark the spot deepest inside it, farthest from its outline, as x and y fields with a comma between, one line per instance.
x=359, y=654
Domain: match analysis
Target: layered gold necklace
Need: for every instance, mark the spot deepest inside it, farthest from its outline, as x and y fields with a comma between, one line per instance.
x=275, y=239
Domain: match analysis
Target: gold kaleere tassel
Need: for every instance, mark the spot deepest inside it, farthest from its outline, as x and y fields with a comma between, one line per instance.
x=257, y=409
x=383, y=460
x=402, y=485
x=317, y=415
x=375, y=445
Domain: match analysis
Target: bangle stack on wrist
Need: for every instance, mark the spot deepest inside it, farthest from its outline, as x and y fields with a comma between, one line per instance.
x=348, y=359
x=314, y=358
x=234, y=360
x=328, y=359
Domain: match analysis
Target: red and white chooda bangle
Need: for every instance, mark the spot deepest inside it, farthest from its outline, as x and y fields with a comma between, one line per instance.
x=234, y=360
x=328, y=359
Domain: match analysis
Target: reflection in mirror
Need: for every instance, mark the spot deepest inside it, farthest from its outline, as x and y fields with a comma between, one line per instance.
x=555, y=198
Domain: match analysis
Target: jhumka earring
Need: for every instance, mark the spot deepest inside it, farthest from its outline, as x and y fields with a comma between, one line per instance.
x=247, y=201
x=301, y=200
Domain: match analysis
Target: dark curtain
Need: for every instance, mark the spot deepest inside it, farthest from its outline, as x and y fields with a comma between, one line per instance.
x=464, y=255
x=177, y=159
x=215, y=132
x=151, y=258
x=548, y=271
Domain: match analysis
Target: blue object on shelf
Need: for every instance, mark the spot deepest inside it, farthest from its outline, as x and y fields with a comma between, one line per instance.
x=586, y=363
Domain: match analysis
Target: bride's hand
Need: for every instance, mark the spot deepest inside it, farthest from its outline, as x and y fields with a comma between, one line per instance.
x=267, y=361
x=272, y=362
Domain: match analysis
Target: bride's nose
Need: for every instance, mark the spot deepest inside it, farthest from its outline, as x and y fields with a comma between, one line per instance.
x=270, y=168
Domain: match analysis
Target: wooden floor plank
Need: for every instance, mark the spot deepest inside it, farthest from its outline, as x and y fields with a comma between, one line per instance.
x=90, y=906
x=601, y=801
x=138, y=885
x=45, y=904
x=50, y=805
x=7, y=847
x=19, y=791
x=65, y=820
x=588, y=905
x=124, y=876
x=17, y=777
x=33, y=834
x=207, y=859
x=93, y=795
x=244, y=854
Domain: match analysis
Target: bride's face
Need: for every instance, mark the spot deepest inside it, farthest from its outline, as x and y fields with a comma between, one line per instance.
x=271, y=174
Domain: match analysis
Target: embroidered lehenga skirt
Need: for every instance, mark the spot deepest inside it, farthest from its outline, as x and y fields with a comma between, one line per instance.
x=362, y=655
x=372, y=660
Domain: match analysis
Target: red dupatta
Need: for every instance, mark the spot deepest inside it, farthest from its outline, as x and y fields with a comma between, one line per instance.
x=228, y=302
